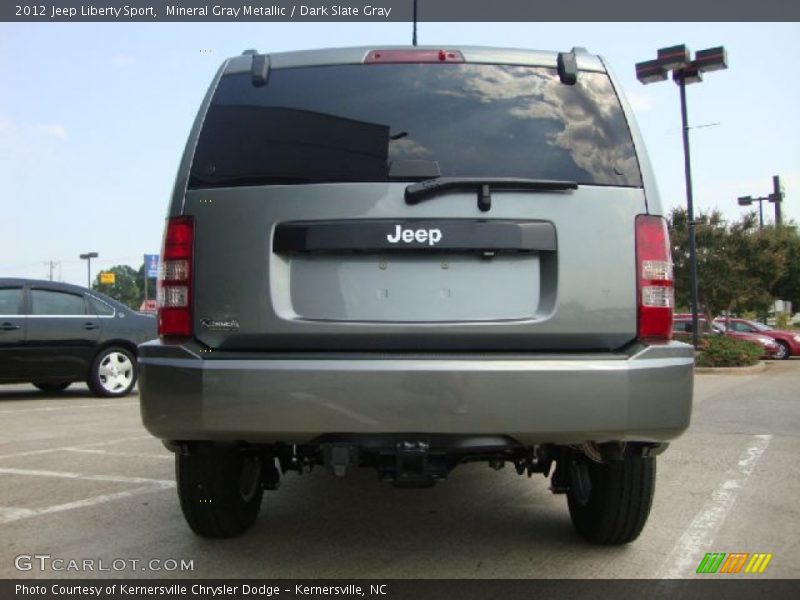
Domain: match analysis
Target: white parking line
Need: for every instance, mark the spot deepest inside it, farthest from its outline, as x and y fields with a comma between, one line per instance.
x=67, y=407
x=698, y=537
x=11, y=514
x=86, y=476
x=64, y=448
x=167, y=455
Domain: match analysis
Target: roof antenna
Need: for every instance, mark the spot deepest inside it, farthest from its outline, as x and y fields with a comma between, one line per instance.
x=414, y=37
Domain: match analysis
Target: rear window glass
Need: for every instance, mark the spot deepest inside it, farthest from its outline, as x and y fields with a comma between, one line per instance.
x=350, y=122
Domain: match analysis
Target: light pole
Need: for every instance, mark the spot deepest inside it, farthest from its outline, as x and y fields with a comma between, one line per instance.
x=88, y=258
x=748, y=200
x=414, y=34
x=776, y=197
x=684, y=72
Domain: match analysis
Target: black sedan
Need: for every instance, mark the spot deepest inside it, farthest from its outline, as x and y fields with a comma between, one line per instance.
x=53, y=334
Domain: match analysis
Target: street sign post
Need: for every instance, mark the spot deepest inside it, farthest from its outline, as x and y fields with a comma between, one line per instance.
x=150, y=270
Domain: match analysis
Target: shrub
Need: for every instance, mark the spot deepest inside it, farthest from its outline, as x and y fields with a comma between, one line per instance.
x=726, y=351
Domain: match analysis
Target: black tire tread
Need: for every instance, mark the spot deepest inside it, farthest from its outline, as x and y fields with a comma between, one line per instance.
x=621, y=497
x=209, y=495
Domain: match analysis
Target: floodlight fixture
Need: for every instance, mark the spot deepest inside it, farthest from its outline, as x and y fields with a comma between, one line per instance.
x=688, y=75
x=711, y=59
x=674, y=57
x=650, y=71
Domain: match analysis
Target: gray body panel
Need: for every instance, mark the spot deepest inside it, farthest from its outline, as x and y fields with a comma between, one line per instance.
x=580, y=298
x=643, y=394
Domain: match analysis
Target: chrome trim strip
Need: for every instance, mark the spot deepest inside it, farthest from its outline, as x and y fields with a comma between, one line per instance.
x=418, y=365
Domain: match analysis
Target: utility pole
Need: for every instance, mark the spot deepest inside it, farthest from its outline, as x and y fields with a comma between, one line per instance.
x=51, y=266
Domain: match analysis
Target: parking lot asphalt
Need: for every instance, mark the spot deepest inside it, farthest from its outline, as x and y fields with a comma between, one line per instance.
x=81, y=480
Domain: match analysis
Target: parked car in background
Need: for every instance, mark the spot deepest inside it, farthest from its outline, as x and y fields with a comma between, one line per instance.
x=54, y=334
x=788, y=341
x=682, y=327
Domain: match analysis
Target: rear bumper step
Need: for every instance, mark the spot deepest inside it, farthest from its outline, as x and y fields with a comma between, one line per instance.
x=642, y=396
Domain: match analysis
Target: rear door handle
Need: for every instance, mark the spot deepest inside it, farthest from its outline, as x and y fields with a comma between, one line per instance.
x=90, y=326
x=9, y=327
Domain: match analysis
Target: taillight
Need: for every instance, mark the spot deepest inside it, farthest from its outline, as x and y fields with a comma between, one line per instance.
x=413, y=56
x=655, y=290
x=175, y=279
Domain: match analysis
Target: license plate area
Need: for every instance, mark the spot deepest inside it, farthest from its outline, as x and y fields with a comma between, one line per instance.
x=414, y=288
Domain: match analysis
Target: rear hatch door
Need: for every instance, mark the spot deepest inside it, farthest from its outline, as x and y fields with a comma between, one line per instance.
x=415, y=207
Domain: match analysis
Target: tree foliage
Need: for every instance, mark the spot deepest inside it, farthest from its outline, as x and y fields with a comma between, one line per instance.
x=128, y=287
x=739, y=266
x=787, y=287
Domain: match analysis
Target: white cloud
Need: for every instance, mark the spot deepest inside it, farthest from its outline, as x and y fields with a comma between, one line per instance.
x=55, y=130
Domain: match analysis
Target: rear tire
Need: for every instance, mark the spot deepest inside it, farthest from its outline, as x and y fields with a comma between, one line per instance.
x=613, y=508
x=58, y=386
x=219, y=489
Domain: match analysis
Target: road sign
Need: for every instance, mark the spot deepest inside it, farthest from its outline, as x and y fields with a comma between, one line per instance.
x=151, y=264
x=107, y=277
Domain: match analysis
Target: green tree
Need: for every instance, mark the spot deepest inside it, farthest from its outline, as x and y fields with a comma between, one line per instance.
x=738, y=265
x=762, y=259
x=787, y=287
x=126, y=289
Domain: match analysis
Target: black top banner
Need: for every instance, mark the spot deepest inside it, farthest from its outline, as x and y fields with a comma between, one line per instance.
x=149, y=11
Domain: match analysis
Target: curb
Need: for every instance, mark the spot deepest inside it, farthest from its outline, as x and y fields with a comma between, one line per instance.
x=757, y=368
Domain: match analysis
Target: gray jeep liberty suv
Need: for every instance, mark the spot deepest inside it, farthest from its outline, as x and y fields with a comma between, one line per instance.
x=409, y=258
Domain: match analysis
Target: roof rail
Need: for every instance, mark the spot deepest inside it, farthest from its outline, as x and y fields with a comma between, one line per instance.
x=260, y=69
x=568, y=67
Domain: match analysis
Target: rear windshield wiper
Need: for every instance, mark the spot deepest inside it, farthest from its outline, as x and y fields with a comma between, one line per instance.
x=417, y=192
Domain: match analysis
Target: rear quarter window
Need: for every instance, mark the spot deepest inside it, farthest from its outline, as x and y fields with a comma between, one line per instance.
x=100, y=308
